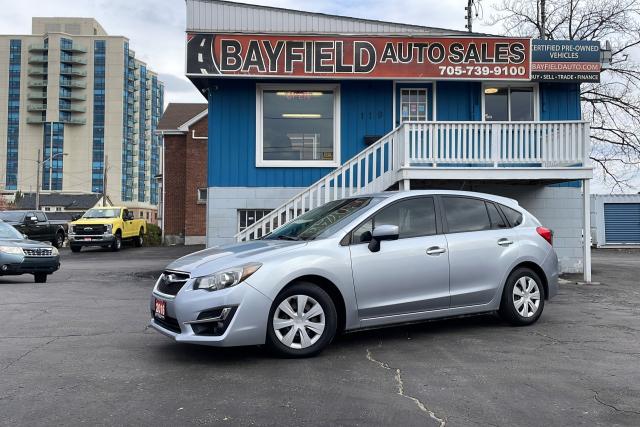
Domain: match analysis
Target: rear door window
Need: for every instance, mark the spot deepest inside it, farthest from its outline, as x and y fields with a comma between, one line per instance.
x=465, y=214
x=414, y=217
x=41, y=217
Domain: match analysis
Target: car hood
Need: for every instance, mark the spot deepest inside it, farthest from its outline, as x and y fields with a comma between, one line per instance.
x=93, y=221
x=214, y=259
x=23, y=243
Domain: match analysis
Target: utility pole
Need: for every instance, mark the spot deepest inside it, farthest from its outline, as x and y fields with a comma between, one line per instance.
x=104, y=180
x=38, y=163
x=471, y=5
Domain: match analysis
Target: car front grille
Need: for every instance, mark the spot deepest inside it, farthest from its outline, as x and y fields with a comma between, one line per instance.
x=171, y=282
x=37, y=252
x=89, y=230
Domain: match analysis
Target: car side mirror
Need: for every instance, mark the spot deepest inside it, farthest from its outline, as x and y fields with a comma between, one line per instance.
x=383, y=232
x=24, y=236
x=31, y=220
x=75, y=217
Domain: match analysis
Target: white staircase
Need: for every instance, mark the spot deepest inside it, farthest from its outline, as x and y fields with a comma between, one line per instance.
x=439, y=146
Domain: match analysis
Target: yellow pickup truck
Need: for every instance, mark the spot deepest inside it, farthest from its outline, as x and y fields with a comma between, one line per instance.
x=106, y=227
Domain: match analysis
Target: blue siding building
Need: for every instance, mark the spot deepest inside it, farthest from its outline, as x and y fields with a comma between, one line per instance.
x=301, y=112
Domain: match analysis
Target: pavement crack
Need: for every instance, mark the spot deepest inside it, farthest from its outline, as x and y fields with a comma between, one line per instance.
x=25, y=354
x=608, y=405
x=400, y=389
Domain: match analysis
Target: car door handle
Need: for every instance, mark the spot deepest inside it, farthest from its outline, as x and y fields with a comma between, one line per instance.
x=435, y=250
x=505, y=242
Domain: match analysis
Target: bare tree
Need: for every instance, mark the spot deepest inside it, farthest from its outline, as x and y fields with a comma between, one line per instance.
x=613, y=105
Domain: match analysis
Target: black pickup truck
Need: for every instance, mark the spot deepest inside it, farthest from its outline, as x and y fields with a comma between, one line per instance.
x=36, y=226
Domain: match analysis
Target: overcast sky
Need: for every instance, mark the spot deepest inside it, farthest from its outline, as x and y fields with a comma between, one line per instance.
x=156, y=28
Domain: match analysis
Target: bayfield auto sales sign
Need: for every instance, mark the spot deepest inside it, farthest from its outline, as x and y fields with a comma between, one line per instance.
x=359, y=57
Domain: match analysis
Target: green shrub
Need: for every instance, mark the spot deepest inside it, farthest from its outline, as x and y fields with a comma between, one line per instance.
x=154, y=235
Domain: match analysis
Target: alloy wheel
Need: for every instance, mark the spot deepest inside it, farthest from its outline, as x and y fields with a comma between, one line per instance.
x=299, y=321
x=526, y=296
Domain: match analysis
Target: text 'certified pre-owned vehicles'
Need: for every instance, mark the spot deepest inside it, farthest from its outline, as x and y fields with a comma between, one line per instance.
x=106, y=227
x=35, y=225
x=19, y=255
x=361, y=262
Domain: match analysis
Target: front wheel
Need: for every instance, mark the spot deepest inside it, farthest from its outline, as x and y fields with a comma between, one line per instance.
x=302, y=321
x=523, y=298
x=117, y=243
x=40, y=277
x=139, y=241
x=59, y=240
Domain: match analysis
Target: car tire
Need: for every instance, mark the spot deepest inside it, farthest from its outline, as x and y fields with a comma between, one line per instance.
x=40, y=277
x=117, y=242
x=75, y=248
x=139, y=241
x=522, y=298
x=295, y=335
x=59, y=240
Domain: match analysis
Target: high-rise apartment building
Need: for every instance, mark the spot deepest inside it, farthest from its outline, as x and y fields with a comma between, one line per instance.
x=81, y=99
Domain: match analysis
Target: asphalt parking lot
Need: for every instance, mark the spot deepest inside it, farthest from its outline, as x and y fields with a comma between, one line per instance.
x=77, y=350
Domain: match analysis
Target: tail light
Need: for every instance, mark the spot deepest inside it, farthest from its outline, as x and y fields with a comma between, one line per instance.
x=546, y=234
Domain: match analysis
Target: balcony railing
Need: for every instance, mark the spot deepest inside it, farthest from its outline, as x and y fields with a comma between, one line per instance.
x=73, y=73
x=36, y=95
x=74, y=121
x=38, y=71
x=36, y=107
x=37, y=83
x=445, y=150
x=38, y=59
x=37, y=46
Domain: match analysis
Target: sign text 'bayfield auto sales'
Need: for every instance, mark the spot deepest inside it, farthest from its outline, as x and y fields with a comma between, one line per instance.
x=349, y=57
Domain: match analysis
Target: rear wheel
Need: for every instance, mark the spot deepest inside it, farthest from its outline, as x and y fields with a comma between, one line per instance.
x=40, y=277
x=302, y=321
x=139, y=241
x=523, y=298
x=117, y=242
x=59, y=240
x=75, y=248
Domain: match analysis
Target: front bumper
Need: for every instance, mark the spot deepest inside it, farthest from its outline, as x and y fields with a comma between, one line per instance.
x=246, y=325
x=15, y=265
x=93, y=240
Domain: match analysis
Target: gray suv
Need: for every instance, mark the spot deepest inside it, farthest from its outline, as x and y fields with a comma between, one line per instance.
x=361, y=262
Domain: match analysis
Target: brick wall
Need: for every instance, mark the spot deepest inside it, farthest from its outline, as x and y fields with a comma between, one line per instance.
x=196, y=177
x=174, y=177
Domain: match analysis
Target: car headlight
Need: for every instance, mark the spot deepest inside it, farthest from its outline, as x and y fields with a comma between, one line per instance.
x=108, y=229
x=226, y=278
x=13, y=250
x=54, y=251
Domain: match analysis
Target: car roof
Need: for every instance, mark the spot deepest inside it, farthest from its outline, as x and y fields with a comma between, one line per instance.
x=401, y=194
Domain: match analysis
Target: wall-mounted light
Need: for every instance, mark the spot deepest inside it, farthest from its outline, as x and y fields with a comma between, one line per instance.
x=491, y=90
x=294, y=93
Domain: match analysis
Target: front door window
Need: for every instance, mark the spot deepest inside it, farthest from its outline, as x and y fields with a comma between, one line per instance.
x=413, y=105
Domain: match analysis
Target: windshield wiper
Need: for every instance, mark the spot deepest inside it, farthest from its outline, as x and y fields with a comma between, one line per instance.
x=285, y=237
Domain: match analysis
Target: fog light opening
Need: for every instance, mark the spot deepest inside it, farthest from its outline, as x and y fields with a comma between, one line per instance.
x=4, y=267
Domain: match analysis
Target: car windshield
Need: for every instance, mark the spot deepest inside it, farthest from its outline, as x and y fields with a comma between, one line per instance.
x=11, y=216
x=8, y=232
x=318, y=220
x=102, y=213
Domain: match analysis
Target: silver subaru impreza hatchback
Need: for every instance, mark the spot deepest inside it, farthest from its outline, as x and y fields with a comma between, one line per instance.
x=361, y=262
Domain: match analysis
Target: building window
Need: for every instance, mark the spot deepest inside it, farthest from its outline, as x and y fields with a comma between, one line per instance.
x=413, y=105
x=248, y=217
x=298, y=126
x=509, y=103
x=97, y=161
x=53, y=158
x=202, y=195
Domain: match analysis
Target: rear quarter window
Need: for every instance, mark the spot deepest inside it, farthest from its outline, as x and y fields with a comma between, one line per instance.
x=513, y=216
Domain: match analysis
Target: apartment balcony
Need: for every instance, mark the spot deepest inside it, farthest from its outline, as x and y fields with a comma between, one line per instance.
x=73, y=73
x=74, y=49
x=74, y=121
x=36, y=95
x=34, y=47
x=36, y=119
x=433, y=152
x=37, y=107
x=74, y=109
x=74, y=97
x=74, y=85
x=38, y=59
x=37, y=83
x=38, y=71
x=73, y=59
